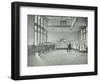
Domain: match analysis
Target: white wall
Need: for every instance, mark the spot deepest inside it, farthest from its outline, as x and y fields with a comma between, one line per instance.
x=5, y=41
x=69, y=36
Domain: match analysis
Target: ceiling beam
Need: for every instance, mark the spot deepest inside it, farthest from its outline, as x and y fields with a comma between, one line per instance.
x=74, y=20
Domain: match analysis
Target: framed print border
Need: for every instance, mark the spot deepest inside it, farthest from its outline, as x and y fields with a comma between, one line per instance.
x=15, y=40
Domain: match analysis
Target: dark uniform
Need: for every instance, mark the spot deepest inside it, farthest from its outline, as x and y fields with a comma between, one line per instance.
x=69, y=47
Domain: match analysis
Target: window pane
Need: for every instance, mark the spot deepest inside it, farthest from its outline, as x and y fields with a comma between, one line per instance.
x=38, y=37
x=35, y=19
x=83, y=30
x=84, y=36
x=41, y=37
x=38, y=20
x=35, y=27
x=35, y=38
x=41, y=22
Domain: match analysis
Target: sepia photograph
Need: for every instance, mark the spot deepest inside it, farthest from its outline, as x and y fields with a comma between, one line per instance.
x=57, y=40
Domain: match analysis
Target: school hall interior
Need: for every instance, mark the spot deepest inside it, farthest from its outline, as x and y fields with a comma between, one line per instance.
x=57, y=40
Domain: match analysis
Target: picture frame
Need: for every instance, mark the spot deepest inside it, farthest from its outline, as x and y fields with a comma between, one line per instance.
x=18, y=38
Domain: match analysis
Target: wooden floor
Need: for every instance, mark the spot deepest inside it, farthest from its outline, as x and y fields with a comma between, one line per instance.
x=57, y=57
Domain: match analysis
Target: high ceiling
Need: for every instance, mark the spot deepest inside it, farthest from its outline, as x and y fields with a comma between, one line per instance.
x=65, y=24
